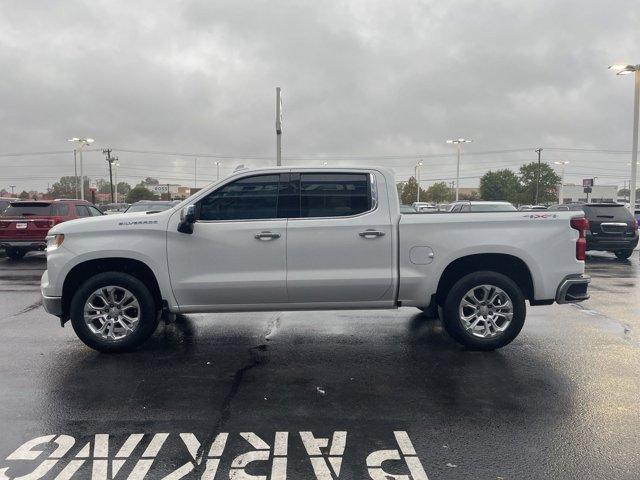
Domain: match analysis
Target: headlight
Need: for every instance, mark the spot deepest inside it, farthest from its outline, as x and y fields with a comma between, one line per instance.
x=54, y=241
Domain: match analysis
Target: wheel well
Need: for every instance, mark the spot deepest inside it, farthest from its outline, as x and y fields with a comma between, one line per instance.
x=82, y=271
x=512, y=267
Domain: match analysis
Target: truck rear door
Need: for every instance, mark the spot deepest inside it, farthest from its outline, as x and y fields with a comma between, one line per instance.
x=339, y=243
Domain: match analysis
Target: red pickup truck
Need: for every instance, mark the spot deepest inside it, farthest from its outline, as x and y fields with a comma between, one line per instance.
x=25, y=224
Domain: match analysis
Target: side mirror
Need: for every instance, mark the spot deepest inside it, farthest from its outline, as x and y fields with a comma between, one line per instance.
x=187, y=219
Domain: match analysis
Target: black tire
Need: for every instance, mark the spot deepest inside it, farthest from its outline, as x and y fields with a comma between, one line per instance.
x=623, y=254
x=148, y=313
x=454, y=324
x=15, y=253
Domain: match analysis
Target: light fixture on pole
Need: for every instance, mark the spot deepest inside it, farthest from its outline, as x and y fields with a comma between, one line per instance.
x=628, y=70
x=458, y=143
x=12, y=187
x=561, y=191
x=81, y=142
x=417, y=171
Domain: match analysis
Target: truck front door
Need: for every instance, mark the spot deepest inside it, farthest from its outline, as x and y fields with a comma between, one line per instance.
x=236, y=254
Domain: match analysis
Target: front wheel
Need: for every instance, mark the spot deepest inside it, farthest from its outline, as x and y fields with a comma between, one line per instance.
x=113, y=312
x=484, y=310
x=623, y=254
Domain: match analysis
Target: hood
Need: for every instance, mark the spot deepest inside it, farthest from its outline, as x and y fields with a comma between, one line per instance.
x=112, y=222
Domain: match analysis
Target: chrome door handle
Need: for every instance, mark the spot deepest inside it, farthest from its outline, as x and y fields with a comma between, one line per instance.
x=266, y=236
x=371, y=233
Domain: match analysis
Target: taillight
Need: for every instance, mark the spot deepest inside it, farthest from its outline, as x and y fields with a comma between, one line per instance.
x=582, y=225
x=57, y=220
x=4, y=224
x=634, y=225
x=44, y=223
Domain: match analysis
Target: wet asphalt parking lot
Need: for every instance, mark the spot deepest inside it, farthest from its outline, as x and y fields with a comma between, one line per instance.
x=305, y=395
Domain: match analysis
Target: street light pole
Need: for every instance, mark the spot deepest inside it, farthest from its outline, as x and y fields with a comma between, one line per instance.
x=81, y=142
x=561, y=191
x=627, y=70
x=12, y=187
x=217, y=171
x=116, y=164
x=417, y=172
x=458, y=143
x=278, y=126
x=539, y=152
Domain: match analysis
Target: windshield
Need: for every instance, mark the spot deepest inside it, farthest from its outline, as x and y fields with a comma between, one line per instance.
x=492, y=207
x=148, y=207
x=27, y=209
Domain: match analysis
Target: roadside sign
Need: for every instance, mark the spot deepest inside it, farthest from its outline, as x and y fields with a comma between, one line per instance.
x=587, y=182
x=93, y=185
x=587, y=189
x=161, y=188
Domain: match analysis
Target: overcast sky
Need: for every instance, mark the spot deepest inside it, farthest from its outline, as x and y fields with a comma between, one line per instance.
x=361, y=79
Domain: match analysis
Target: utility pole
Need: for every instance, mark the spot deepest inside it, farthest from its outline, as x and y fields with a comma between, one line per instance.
x=107, y=152
x=195, y=172
x=278, y=127
x=217, y=171
x=539, y=152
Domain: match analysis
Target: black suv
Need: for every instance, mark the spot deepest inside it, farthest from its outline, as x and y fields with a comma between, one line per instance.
x=612, y=227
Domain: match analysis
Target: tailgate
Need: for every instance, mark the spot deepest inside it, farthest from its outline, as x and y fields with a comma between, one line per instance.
x=23, y=228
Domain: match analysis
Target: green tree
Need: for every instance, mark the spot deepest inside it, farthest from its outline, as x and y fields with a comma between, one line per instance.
x=408, y=192
x=549, y=181
x=24, y=195
x=140, y=192
x=439, y=192
x=66, y=188
x=470, y=196
x=500, y=185
x=123, y=188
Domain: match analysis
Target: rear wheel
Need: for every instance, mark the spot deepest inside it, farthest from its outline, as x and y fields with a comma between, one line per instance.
x=623, y=254
x=15, y=253
x=113, y=312
x=484, y=310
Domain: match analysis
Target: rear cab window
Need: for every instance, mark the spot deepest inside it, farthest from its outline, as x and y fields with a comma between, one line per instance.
x=334, y=194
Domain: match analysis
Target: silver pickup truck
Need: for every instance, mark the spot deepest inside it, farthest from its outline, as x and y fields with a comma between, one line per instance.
x=310, y=238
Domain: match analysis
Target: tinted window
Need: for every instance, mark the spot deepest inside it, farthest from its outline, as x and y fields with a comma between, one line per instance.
x=147, y=207
x=466, y=208
x=605, y=212
x=29, y=209
x=3, y=204
x=95, y=212
x=249, y=198
x=334, y=194
x=456, y=208
x=82, y=211
x=60, y=209
x=483, y=207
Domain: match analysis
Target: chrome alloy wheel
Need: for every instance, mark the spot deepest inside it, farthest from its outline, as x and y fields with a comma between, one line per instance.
x=486, y=311
x=112, y=313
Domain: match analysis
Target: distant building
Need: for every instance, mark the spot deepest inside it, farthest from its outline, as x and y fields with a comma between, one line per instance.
x=599, y=193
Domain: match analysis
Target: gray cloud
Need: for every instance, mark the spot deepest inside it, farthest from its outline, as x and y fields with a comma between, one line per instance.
x=379, y=78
